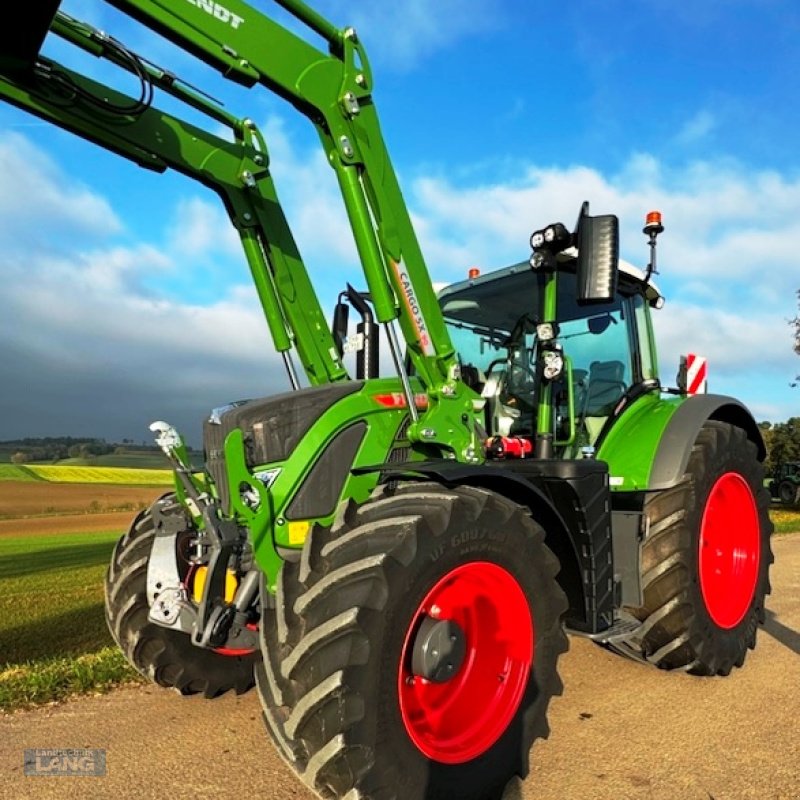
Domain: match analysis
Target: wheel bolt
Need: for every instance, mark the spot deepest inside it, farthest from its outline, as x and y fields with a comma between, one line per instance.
x=435, y=612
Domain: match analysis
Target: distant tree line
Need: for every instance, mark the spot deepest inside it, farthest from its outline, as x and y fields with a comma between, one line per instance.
x=55, y=448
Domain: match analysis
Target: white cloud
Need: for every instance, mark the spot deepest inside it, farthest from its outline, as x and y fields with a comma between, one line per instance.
x=403, y=32
x=90, y=342
x=735, y=342
x=307, y=188
x=98, y=354
x=203, y=228
x=724, y=227
x=36, y=194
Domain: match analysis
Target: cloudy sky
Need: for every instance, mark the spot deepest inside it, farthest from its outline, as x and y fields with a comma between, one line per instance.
x=126, y=298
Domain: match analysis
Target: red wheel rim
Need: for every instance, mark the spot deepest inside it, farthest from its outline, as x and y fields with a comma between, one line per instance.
x=730, y=550
x=458, y=720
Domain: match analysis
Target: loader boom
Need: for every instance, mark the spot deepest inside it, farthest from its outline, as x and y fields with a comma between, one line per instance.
x=334, y=91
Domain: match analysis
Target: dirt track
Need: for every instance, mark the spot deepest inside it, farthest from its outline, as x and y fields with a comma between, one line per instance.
x=621, y=731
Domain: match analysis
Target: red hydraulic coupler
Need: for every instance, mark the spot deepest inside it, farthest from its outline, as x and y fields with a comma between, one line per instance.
x=509, y=447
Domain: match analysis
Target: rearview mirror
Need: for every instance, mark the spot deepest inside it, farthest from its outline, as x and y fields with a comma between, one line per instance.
x=597, y=239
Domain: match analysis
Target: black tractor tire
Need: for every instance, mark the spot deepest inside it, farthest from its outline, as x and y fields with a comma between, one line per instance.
x=167, y=657
x=692, y=619
x=787, y=492
x=337, y=646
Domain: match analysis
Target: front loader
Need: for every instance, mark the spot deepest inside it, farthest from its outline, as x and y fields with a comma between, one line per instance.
x=394, y=561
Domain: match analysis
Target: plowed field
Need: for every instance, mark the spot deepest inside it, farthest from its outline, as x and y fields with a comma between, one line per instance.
x=74, y=523
x=34, y=498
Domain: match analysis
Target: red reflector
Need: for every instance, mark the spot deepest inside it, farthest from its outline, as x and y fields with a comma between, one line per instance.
x=474, y=272
x=398, y=400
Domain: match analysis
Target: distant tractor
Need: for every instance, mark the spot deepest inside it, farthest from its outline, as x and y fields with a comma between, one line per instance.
x=785, y=483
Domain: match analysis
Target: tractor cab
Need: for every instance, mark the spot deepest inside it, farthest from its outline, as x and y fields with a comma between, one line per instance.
x=607, y=349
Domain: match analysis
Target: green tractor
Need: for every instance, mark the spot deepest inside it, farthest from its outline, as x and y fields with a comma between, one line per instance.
x=784, y=485
x=394, y=562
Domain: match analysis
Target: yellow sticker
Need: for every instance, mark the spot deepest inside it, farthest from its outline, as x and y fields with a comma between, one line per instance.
x=298, y=531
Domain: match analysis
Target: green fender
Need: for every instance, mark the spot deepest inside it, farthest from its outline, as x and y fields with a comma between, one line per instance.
x=649, y=446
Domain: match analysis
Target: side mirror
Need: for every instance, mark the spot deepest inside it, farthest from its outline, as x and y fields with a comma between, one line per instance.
x=341, y=317
x=597, y=239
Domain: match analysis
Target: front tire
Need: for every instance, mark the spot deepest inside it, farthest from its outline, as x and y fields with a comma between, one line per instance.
x=705, y=561
x=167, y=657
x=343, y=692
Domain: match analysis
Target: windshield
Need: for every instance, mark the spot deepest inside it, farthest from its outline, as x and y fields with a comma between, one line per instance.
x=483, y=316
x=492, y=323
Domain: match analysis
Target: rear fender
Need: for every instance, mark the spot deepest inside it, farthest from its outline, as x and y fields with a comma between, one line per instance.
x=649, y=445
x=680, y=434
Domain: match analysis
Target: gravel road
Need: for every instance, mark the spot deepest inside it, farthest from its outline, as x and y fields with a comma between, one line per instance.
x=621, y=730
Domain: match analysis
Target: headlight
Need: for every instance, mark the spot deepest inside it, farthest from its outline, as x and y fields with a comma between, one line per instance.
x=553, y=364
x=545, y=332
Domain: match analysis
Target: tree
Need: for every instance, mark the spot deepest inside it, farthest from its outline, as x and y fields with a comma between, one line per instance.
x=783, y=442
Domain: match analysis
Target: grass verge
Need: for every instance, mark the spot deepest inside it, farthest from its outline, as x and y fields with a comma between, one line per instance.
x=53, y=636
x=50, y=680
x=785, y=520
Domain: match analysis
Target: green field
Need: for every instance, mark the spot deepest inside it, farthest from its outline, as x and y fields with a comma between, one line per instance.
x=53, y=636
x=12, y=472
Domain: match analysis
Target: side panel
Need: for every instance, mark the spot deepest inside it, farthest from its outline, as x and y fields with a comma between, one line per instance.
x=630, y=446
x=287, y=461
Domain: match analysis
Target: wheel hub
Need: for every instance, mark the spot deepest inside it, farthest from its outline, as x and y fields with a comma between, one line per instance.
x=440, y=647
x=465, y=662
x=730, y=550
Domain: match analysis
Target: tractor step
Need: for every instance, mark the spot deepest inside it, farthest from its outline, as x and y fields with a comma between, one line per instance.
x=621, y=637
x=620, y=631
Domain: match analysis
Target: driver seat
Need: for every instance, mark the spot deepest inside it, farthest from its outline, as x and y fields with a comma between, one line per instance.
x=605, y=386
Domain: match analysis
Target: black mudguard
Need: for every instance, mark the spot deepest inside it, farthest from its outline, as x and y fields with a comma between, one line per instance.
x=675, y=447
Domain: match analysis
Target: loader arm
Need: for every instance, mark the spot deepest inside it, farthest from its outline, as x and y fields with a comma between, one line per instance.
x=334, y=91
x=236, y=170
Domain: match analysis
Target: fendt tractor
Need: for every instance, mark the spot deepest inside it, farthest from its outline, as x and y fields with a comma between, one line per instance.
x=784, y=483
x=395, y=562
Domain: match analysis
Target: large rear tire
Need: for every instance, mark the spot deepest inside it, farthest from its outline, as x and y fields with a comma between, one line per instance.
x=167, y=657
x=705, y=561
x=342, y=681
